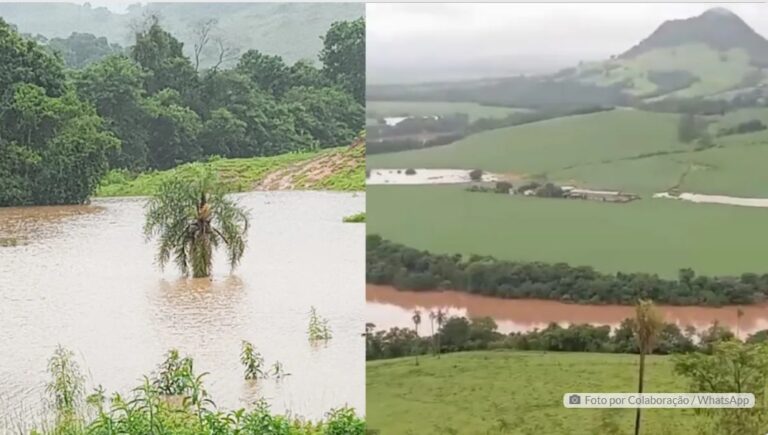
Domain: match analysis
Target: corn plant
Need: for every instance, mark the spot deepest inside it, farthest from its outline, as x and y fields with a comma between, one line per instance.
x=252, y=361
x=318, y=327
x=67, y=384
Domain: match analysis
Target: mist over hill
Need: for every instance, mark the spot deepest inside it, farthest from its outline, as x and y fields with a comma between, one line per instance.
x=290, y=30
x=712, y=55
x=718, y=28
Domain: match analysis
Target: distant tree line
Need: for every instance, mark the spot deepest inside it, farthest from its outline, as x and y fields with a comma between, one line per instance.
x=457, y=334
x=405, y=268
x=392, y=139
x=750, y=126
x=148, y=107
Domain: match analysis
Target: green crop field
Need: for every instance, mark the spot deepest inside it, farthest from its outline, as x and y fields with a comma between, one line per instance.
x=377, y=109
x=549, y=145
x=483, y=392
x=650, y=235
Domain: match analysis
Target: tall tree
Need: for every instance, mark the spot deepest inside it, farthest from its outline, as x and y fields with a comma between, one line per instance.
x=268, y=72
x=343, y=56
x=416, y=322
x=173, y=130
x=60, y=144
x=162, y=57
x=115, y=87
x=647, y=326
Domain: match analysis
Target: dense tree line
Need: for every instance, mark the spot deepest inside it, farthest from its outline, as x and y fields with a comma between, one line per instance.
x=457, y=334
x=150, y=108
x=406, y=268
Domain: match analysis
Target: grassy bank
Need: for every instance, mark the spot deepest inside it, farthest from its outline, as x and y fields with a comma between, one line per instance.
x=515, y=392
x=649, y=235
x=340, y=169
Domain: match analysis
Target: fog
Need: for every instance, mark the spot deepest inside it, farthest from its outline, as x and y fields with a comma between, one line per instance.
x=449, y=41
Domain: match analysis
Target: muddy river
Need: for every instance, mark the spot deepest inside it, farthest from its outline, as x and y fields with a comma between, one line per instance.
x=84, y=277
x=388, y=307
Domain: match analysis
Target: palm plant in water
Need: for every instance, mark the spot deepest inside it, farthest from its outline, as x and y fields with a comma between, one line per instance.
x=193, y=218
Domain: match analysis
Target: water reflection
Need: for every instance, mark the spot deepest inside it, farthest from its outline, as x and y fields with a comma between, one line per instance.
x=388, y=307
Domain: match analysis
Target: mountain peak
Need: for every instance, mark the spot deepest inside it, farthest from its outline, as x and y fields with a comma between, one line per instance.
x=718, y=28
x=719, y=11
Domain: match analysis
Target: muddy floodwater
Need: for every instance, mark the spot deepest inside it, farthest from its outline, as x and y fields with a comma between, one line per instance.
x=85, y=278
x=388, y=307
x=425, y=176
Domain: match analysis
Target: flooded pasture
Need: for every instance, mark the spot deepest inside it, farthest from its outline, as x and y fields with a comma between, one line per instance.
x=85, y=278
x=425, y=176
x=388, y=307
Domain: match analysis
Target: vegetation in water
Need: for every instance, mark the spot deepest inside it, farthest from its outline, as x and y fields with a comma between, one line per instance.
x=172, y=401
x=318, y=327
x=252, y=361
x=192, y=218
x=355, y=218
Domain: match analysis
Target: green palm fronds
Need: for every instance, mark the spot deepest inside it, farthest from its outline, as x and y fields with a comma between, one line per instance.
x=190, y=219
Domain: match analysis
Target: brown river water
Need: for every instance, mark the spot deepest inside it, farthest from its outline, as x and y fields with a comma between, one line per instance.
x=388, y=307
x=85, y=278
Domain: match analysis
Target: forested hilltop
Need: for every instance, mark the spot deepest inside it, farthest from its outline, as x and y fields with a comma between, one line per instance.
x=289, y=30
x=152, y=107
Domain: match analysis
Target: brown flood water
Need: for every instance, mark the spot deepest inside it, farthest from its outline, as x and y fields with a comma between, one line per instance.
x=83, y=277
x=388, y=307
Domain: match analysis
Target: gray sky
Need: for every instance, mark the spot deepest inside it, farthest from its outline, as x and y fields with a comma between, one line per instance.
x=448, y=41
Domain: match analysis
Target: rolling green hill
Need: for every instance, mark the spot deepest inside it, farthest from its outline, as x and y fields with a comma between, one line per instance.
x=290, y=30
x=628, y=150
x=508, y=392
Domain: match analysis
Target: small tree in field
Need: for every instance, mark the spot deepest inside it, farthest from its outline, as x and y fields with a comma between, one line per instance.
x=476, y=174
x=191, y=219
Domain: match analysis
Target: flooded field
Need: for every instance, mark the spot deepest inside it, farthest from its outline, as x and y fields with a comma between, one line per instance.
x=425, y=176
x=715, y=199
x=388, y=307
x=85, y=278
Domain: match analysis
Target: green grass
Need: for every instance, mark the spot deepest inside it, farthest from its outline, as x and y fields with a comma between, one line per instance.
x=715, y=74
x=241, y=174
x=549, y=145
x=628, y=150
x=649, y=235
x=377, y=109
x=477, y=392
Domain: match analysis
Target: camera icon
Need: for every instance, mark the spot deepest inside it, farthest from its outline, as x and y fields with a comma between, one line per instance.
x=574, y=399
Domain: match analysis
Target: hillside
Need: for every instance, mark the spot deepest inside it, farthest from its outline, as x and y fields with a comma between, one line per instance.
x=341, y=169
x=475, y=393
x=290, y=30
x=703, y=56
x=718, y=28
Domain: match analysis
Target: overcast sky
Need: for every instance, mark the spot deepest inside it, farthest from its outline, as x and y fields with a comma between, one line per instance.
x=419, y=42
